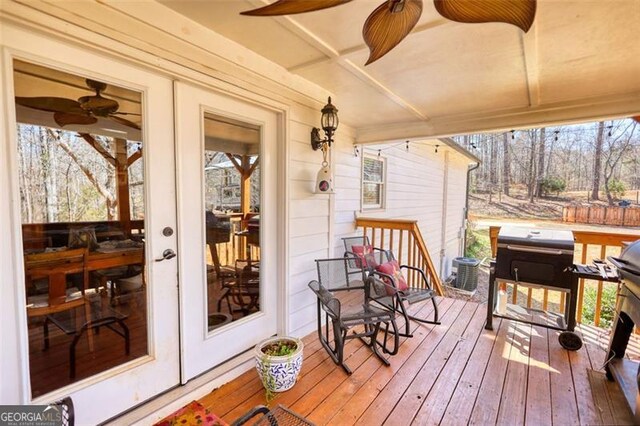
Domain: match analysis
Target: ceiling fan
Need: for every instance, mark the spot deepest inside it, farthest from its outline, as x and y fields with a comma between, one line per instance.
x=86, y=110
x=393, y=20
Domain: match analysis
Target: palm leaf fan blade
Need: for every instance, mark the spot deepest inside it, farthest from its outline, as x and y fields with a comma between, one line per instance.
x=124, y=121
x=388, y=25
x=520, y=13
x=63, y=118
x=290, y=7
x=51, y=104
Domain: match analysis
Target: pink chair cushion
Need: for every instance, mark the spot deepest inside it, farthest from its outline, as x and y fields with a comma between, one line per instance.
x=392, y=268
x=362, y=252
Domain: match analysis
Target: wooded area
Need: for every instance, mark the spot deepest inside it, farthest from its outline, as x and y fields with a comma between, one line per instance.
x=68, y=177
x=602, y=159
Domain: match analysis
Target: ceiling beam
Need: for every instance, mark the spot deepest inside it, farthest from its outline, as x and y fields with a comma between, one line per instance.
x=362, y=46
x=332, y=54
x=591, y=109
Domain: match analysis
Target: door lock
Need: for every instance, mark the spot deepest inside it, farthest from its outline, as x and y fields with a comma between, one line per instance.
x=166, y=255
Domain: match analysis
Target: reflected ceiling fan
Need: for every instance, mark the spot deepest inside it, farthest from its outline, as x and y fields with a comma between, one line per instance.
x=85, y=111
x=393, y=20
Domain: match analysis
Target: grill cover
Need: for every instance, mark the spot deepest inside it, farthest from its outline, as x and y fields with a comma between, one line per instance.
x=539, y=256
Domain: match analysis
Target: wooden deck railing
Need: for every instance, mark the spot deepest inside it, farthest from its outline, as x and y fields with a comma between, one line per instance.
x=589, y=245
x=403, y=237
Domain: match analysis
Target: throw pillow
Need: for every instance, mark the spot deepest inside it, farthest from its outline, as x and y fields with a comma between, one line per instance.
x=361, y=252
x=392, y=268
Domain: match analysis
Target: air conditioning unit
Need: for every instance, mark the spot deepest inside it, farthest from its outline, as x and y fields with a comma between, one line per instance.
x=466, y=272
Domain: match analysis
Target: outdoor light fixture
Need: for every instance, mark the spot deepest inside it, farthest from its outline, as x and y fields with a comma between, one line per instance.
x=329, y=122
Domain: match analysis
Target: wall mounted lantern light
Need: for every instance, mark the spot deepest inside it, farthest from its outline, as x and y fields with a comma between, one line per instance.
x=329, y=122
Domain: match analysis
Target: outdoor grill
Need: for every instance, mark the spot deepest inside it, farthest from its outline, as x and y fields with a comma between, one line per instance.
x=536, y=258
x=542, y=257
x=626, y=371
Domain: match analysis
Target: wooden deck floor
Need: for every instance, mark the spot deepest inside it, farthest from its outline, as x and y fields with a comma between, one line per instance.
x=450, y=374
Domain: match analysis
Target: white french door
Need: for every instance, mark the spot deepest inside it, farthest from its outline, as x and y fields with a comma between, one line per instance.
x=228, y=240
x=106, y=393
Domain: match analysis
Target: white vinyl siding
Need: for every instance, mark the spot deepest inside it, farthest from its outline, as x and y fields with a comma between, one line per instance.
x=414, y=190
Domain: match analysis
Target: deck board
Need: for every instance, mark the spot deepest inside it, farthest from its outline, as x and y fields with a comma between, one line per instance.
x=409, y=406
x=538, y=406
x=455, y=373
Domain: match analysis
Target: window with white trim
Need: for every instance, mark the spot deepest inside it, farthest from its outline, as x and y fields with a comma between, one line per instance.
x=373, y=182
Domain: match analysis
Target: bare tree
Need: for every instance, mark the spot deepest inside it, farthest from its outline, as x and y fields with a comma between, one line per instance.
x=506, y=164
x=614, y=153
x=531, y=190
x=597, y=164
x=541, y=169
x=109, y=196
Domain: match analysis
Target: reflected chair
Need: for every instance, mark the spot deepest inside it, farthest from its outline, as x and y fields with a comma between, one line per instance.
x=343, y=304
x=244, y=291
x=133, y=282
x=218, y=231
x=56, y=267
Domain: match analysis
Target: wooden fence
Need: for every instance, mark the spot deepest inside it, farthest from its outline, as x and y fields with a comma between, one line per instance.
x=589, y=245
x=602, y=215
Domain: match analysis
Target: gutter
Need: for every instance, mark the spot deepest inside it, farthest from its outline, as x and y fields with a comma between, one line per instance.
x=465, y=220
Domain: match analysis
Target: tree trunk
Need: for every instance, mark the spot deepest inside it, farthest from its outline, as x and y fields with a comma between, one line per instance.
x=553, y=142
x=506, y=165
x=541, y=169
x=25, y=181
x=493, y=173
x=597, y=164
x=532, y=166
x=50, y=177
x=108, y=196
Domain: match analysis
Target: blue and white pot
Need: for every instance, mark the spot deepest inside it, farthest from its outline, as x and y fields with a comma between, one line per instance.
x=281, y=371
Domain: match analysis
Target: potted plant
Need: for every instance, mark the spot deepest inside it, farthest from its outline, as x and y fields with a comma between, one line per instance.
x=278, y=361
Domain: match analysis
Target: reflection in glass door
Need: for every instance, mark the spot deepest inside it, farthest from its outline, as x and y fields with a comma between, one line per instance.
x=81, y=179
x=232, y=216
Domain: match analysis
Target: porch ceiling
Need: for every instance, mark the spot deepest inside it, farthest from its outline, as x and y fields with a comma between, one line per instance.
x=580, y=60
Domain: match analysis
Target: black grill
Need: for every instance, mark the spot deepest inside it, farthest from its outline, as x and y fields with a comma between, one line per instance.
x=541, y=256
x=626, y=371
x=628, y=265
x=536, y=258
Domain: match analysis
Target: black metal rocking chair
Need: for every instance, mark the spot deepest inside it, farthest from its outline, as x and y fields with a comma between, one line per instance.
x=393, y=299
x=345, y=302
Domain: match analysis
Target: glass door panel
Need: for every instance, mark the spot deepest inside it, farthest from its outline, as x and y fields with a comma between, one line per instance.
x=79, y=154
x=232, y=219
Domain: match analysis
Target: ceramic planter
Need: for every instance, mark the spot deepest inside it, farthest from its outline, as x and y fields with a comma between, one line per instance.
x=279, y=373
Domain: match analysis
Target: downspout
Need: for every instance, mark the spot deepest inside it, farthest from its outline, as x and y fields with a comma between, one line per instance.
x=465, y=219
x=445, y=202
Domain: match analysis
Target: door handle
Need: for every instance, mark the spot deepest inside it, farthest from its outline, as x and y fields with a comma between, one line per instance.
x=166, y=255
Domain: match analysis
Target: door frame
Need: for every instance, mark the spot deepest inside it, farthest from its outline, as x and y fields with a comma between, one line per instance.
x=34, y=48
x=280, y=259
